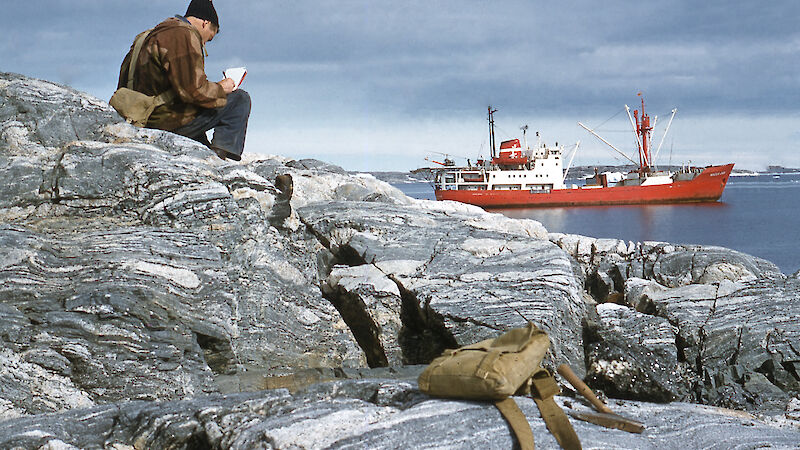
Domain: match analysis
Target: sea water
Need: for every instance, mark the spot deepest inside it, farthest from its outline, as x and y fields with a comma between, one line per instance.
x=758, y=215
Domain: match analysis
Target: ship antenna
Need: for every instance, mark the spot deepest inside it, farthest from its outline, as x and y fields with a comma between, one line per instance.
x=491, y=130
x=524, y=129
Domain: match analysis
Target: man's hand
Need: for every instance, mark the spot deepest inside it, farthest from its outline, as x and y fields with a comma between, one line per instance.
x=228, y=85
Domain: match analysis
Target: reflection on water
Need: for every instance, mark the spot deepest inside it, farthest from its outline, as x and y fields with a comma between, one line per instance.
x=629, y=222
x=756, y=215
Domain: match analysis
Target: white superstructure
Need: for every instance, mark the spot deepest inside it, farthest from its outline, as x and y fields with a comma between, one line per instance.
x=539, y=169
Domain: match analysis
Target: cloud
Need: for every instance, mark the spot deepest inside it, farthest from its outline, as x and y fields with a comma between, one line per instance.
x=352, y=64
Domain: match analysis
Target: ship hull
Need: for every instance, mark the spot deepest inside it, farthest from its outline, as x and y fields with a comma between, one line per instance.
x=705, y=187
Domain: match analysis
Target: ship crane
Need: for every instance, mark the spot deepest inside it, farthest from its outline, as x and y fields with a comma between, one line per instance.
x=605, y=142
x=447, y=161
x=658, y=150
x=642, y=132
x=569, y=165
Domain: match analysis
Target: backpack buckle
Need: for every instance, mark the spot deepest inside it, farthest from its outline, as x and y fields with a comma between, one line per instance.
x=543, y=384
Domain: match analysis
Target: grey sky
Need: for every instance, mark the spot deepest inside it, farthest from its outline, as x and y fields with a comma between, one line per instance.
x=378, y=85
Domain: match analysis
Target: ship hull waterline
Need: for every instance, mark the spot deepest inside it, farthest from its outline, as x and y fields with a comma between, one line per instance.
x=705, y=187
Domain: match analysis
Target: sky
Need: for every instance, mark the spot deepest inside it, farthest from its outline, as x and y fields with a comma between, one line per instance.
x=374, y=85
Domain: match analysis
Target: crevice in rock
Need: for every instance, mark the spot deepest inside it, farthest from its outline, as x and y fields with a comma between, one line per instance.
x=423, y=335
x=706, y=378
x=598, y=286
x=198, y=441
x=792, y=369
x=282, y=208
x=344, y=254
x=218, y=353
x=681, y=345
x=703, y=378
x=768, y=370
x=50, y=181
x=590, y=336
x=367, y=334
x=348, y=256
x=735, y=356
x=350, y=306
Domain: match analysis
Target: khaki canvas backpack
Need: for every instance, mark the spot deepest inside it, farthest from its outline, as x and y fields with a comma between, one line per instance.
x=496, y=369
x=135, y=106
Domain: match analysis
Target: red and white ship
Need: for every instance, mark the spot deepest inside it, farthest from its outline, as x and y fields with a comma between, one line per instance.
x=519, y=176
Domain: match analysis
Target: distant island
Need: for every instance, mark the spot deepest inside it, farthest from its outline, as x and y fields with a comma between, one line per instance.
x=424, y=175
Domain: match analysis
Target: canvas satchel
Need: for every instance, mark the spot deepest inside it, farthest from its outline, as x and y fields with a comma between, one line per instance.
x=496, y=369
x=132, y=105
x=488, y=370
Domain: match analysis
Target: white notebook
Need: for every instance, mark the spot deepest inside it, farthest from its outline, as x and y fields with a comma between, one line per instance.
x=236, y=74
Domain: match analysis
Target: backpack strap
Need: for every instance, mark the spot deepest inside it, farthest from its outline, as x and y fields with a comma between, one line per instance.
x=543, y=388
x=518, y=422
x=137, y=48
x=165, y=97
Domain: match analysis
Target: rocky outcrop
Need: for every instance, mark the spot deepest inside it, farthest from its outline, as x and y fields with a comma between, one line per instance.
x=138, y=265
x=721, y=325
x=141, y=278
x=462, y=277
x=370, y=414
x=142, y=267
x=633, y=355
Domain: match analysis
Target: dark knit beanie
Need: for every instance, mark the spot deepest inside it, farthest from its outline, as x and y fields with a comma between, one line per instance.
x=203, y=9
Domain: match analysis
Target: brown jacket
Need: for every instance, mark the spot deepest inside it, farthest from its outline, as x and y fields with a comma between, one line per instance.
x=172, y=57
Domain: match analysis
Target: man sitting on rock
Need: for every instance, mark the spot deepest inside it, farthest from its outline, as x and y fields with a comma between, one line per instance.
x=172, y=57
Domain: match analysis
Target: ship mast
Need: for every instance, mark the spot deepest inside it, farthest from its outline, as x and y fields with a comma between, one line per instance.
x=643, y=130
x=491, y=131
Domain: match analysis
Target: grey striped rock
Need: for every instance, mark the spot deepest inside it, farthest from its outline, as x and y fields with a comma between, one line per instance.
x=136, y=265
x=735, y=318
x=633, y=355
x=460, y=279
x=379, y=414
x=140, y=276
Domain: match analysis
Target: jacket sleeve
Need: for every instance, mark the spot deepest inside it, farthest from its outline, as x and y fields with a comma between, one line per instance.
x=185, y=66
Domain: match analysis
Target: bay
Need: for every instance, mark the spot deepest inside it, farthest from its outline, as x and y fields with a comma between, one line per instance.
x=758, y=215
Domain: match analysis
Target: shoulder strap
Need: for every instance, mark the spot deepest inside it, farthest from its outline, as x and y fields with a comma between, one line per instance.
x=161, y=99
x=519, y=423
x=543, y=388
x=137, y=48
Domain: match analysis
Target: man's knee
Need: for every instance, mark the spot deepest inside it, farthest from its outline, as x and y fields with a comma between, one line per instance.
x=241, y=98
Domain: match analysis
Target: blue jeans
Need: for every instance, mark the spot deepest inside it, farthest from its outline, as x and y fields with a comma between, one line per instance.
x=229, y=124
